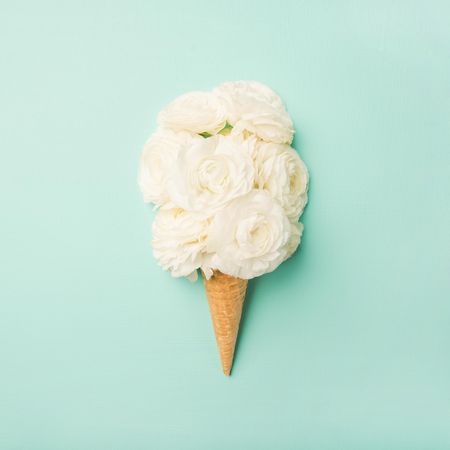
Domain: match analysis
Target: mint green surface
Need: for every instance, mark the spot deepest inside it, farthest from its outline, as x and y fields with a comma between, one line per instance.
x=346, y=346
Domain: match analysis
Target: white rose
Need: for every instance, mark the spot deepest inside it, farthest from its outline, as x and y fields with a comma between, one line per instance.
x=197, y=112
x=250, y=236
x=158, y=157
x=281, y=172
x=179, y=241
x=212, y=172
x=255, y=108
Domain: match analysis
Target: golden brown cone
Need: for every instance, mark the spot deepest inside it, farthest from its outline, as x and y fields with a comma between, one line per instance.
x=226, y=296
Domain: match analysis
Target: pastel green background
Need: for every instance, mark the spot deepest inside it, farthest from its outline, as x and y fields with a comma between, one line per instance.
x=346, y=346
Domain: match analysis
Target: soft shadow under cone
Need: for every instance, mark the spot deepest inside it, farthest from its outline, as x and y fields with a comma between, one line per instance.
x=226, y=296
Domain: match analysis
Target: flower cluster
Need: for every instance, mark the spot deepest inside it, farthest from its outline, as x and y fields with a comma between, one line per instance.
x=229, y=187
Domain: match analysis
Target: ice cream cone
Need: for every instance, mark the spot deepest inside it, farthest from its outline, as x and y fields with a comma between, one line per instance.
x=226, y=296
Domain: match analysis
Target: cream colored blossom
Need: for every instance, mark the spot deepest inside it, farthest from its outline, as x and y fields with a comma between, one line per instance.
x=196, y=112
x=281, y=172
x=158, y=157
x=253, y=107
x=250, y=236
x=212, y=172
x=179, y=241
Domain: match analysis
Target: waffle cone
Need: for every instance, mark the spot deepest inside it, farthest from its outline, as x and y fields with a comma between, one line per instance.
x=226, y=296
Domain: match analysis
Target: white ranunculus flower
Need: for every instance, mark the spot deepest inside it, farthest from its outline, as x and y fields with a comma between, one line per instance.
x=179, y=241
x=212, y=172
x=255, y=108
x=281, y=172
x=250, y=236
x=157, y=159
x=196, y=112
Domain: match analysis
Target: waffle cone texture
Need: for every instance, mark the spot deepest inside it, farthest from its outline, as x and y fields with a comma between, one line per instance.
x=226, y=296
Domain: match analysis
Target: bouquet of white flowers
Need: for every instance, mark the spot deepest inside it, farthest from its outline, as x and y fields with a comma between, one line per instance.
x=230, y=191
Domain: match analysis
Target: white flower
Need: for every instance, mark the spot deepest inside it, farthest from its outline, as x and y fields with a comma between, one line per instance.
x=281, y=172
x=231, y=198
x=250, y=236
x=197, y=112
x=255, y=108
x=158, y=157
x=179, y=241
x=212, y=172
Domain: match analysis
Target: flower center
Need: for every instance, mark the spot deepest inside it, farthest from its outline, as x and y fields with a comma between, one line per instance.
x=213, y=175
x=254, y=235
